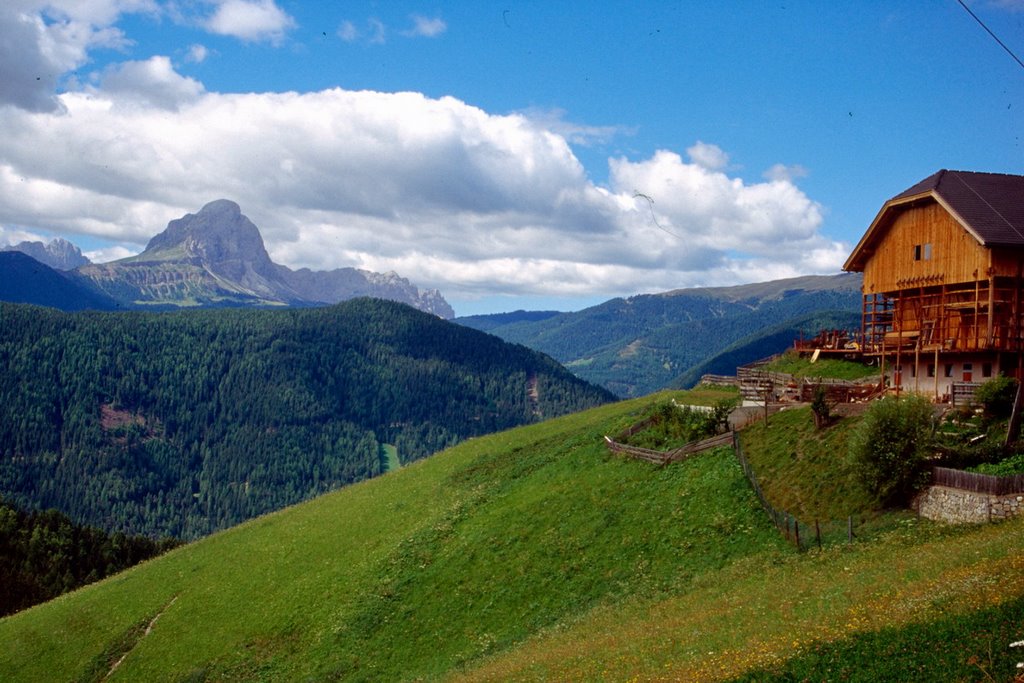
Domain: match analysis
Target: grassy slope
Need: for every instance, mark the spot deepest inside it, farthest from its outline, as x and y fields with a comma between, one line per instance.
x=835, y=368
x=531, y=554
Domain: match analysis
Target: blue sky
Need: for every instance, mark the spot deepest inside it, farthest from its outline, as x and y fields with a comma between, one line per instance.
x=510, y=154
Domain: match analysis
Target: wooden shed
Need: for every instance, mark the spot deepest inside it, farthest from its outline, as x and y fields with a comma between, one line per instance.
x=942, y=292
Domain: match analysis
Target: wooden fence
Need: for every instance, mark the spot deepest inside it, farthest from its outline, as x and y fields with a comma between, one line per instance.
x=754, y=383
x=800, y=534
x=666, y=457
x=978, y=483
x=788, y=523
x=719, y=380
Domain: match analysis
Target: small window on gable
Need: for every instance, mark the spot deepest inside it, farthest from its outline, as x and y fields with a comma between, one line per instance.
x=928, y=252
x=917, y=252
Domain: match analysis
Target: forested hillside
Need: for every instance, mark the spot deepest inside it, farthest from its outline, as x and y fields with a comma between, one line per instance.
x=25, y=280
x=182, y=423
x=641, y=344
x=44, y=554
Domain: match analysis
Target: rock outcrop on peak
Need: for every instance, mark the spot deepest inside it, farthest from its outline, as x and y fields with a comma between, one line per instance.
x=216, y=257
x=58, y=253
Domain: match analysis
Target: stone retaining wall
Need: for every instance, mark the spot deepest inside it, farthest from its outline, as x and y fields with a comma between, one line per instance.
x=958, y=506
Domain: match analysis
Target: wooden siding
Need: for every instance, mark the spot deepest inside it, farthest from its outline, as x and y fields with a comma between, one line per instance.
x=955, y=255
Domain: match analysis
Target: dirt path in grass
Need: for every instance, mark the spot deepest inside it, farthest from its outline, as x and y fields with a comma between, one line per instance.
x=146, y=632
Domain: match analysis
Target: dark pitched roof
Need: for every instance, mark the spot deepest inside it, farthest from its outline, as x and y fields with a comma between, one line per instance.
x=991, y=205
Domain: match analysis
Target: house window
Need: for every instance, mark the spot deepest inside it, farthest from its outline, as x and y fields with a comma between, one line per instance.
x=923, y=252
x=928, y=252
x=931, y=369
x=949, y=369
x=968, y=372
x=913, y=370
x=986, y=369
x=917, y=252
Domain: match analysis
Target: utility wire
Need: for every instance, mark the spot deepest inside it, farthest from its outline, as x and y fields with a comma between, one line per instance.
x=654, y=217
x=994, y=36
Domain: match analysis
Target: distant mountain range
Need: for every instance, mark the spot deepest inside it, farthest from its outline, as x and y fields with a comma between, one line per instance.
x=59, y=254
x=644, y=343
x=215, y=258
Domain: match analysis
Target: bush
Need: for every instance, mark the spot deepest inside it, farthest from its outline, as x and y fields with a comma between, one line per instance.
x=820, y=407
x=671, y=425
x=996, y=397
x=890, y=446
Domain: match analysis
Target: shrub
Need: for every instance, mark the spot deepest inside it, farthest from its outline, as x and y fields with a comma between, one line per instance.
x=890, y=446
x=820, y=407
x=996, y=397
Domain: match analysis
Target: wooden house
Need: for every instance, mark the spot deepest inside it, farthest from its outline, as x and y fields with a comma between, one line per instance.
x=942, y=291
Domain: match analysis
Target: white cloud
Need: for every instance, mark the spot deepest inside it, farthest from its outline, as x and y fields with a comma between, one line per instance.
x=197, y=54
x=348, y=31
x=442, y=192
x=708, y=156
x=576, y=133
x=250, y=20
x=12, y=236
x=783, y=173
x=43, y=40
x=154, y=81
x=437, y=190
x=707, y=209
x=108, y=254
x=378, y=32
x=425, y=27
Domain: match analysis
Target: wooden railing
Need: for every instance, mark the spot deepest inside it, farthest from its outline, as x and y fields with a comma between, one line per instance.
x=666, y=457
x=963, y=393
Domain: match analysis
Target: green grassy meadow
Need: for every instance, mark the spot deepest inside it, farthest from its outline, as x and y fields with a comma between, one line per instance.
x=835, y=368
x=535, y=554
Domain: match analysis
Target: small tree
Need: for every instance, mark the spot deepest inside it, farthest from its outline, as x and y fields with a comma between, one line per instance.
x=820, y=407
x=890, y=446
x=718, y=418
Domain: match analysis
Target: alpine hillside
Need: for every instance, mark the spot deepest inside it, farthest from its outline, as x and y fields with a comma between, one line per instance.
x=535, y=554
x=25, y=280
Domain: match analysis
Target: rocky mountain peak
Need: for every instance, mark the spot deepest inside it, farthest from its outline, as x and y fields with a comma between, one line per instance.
x=59, y=254
x=218, y=234
x=216, y=256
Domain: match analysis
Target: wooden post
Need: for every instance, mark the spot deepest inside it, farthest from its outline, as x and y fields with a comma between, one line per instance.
x=917, y=364
x=990, y=325
x=796, y=532
x=817, y=533
x=898, y=370
x=849, y=529
x=1013, y=427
